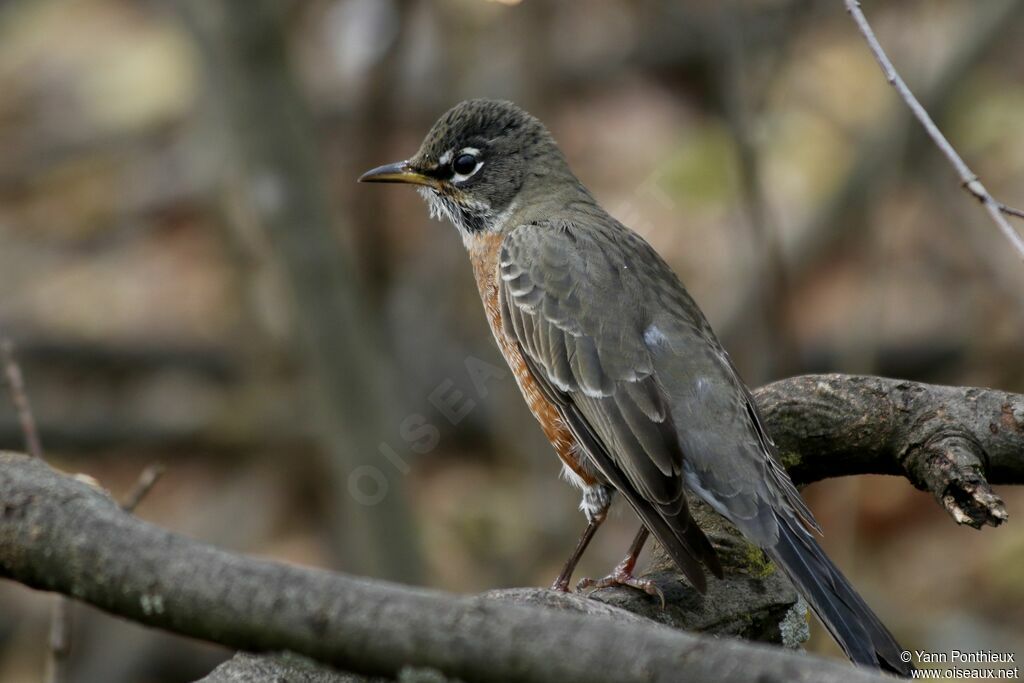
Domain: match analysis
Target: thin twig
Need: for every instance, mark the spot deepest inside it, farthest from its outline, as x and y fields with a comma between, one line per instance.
x=143, y=485
x=16, y=385
x=60, y=616
x=969, y=180
x=1009, y=210
x=59, y=640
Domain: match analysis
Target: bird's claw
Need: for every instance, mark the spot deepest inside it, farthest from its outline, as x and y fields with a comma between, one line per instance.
x=622, y=578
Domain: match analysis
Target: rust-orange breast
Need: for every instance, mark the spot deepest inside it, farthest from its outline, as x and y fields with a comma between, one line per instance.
x=483, y=253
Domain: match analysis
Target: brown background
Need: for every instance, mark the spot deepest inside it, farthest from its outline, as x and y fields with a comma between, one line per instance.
x=755, y=144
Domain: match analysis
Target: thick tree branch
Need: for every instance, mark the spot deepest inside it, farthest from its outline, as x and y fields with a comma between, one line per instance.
x=948, y=440
x=951, y=441
x=60, y=534
x=968, y=179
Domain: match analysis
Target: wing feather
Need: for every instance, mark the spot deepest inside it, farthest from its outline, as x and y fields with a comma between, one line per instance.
x=601, y=377
x=625, y=355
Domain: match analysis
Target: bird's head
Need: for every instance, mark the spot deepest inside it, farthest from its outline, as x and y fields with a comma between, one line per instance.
x=475, y=162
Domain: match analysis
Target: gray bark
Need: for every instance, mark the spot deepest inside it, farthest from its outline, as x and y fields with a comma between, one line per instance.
x=283, y=668
x=951, y=441
x=59, y=534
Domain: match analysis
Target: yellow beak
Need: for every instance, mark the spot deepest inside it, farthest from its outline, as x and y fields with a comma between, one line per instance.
x=398, y=172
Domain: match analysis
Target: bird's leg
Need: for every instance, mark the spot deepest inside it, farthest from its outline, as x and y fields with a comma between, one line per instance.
x=622, y=575
x=596, y=501
x=562, y=582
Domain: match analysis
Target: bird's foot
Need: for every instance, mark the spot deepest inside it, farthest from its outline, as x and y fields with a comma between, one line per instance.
x=623, y=576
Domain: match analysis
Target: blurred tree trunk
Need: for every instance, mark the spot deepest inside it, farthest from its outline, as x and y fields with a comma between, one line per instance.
x=276, y=188
x=372, y=130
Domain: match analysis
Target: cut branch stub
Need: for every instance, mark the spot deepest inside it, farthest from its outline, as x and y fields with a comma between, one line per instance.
x=951, y=464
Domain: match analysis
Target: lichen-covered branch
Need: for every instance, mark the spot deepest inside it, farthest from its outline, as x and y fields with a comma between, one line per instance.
x=951, y=441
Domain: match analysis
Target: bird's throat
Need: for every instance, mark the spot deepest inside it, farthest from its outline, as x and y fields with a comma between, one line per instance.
x=472, y=218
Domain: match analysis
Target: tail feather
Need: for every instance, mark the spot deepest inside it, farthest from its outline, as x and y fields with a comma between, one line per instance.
x=851, y=622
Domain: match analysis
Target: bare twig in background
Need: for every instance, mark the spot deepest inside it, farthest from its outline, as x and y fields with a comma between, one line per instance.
x=145, y=483
x=820, y=236
x=59, y=638
x=970, y=181
x=1010, y=210
x=16, y=386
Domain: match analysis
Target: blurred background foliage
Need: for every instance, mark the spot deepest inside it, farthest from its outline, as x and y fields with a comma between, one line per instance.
x=192, y=275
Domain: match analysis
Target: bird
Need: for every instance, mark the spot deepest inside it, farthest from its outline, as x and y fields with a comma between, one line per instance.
x=620, y=366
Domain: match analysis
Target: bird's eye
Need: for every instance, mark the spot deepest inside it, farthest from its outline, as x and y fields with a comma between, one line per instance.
x=464, y=164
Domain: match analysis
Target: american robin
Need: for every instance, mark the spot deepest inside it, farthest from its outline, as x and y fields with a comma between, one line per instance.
x=619, y=365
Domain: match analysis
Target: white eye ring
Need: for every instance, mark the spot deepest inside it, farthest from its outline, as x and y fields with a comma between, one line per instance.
x=462, y=177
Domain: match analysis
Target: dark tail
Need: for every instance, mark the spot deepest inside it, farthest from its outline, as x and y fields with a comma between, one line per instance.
x=855, y=627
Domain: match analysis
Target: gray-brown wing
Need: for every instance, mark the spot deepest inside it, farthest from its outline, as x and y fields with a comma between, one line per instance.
x=616, y=334
x=616, y=342
x=577, y=313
